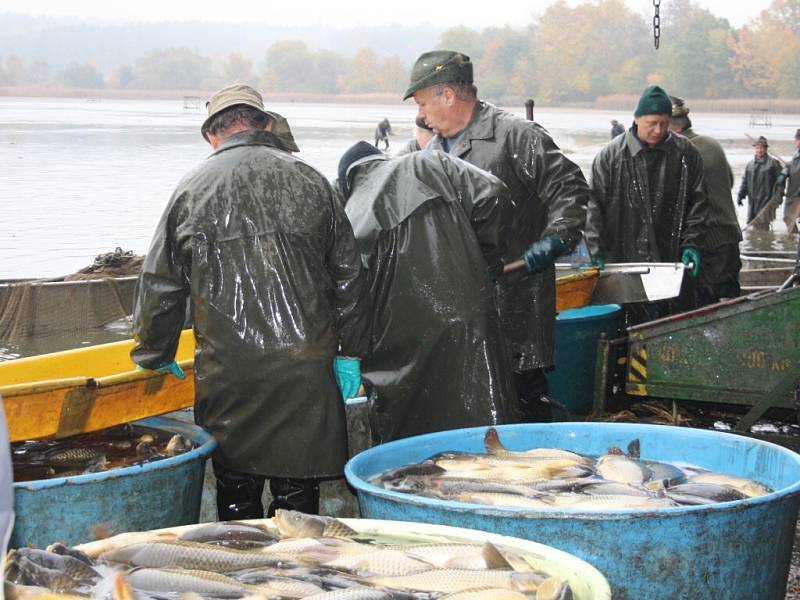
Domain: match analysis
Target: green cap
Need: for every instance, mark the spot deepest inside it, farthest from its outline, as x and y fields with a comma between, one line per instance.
x=439, y=66
x=240, y=93
x=654, y=101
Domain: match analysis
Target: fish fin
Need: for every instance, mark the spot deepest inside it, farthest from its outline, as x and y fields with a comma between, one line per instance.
x=553, y=588
x=635, y=449
x=492, y=442
x=494, y=558
x=121, y=589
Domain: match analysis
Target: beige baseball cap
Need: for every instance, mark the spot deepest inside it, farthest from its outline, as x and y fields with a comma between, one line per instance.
x=240, y=93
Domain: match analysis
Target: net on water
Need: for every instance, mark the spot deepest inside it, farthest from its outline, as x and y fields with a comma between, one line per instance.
x=79, y=302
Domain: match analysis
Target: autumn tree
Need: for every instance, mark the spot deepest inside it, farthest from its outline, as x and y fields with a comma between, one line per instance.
x=80, y=75
x=174, y=68
x=362, y=74
x=464, y=40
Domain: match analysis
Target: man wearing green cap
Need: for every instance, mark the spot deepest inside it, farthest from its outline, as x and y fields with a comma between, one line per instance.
x=258, y=242
x=648, y=199
x=549, y=194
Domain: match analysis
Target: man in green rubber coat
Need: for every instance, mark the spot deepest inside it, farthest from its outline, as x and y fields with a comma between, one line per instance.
x=549, y=193
x=258, y=241
x=648, y=200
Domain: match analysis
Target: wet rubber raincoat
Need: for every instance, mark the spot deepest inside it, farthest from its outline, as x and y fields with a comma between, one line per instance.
x=430, y=229
x=549, y=194
x=257, y=240
x=630, y=221
x=758, y=183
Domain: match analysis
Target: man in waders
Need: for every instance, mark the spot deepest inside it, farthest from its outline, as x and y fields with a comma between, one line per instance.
x=649, y=201
x=258, y=242
x=549, y=194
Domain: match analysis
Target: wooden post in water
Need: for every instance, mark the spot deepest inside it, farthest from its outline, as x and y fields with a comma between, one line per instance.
x=529, y=109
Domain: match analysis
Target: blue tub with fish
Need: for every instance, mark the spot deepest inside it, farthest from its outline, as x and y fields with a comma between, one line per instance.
x=735, y=549
x=81, y=508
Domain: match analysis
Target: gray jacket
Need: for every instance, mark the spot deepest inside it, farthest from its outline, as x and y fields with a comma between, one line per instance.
x=255, y=237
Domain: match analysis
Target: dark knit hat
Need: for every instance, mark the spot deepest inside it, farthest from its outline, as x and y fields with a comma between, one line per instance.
x=654, y=101
x=357, y=154
x=439, y=66
x=797, y=134
x=761, y=141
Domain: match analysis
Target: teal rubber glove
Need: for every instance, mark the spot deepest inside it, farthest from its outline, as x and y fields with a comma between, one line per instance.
x=691, y=256
x=348, y=375
x=599, y=262
x=542, y=254
x=172, y=367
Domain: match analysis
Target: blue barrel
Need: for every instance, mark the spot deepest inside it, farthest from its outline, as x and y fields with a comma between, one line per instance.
x=577, y=330
x=81, y=508
x=738, y=549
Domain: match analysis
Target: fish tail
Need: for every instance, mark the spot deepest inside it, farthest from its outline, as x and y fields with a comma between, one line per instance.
x=492, y=442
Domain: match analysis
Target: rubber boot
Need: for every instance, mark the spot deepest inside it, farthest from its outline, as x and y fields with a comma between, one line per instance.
x=238, y=494
x=294, y=494
x=531, y=387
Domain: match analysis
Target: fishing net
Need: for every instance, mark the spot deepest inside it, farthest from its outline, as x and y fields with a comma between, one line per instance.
x=87, y=300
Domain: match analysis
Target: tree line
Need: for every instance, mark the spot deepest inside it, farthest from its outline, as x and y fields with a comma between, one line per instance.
x=568, y=54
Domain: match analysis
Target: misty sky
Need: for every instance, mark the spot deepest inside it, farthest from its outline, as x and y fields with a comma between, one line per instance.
x=349, y=13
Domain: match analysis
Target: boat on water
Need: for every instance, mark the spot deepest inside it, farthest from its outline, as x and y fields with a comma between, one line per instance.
x=40, y=307
x=87, y=389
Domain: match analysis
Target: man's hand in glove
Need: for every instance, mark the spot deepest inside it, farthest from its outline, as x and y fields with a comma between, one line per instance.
x=172, y=367
x=542, y=254
x=348, y=375
x=691, y=256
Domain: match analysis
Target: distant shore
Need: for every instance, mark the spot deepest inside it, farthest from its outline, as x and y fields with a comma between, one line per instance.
x=615, y=102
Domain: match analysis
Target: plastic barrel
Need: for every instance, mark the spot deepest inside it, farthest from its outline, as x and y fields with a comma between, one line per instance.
x=738, y=549
x=571, y=382
x=82, y=508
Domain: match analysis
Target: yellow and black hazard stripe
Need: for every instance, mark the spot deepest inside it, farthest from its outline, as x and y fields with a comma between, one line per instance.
x=637, y=372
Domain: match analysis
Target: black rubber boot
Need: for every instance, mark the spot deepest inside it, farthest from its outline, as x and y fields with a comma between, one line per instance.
x=294, y=494
x=531, y=387
x=238, y=494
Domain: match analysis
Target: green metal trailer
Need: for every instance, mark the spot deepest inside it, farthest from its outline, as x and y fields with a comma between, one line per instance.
x=744, y=351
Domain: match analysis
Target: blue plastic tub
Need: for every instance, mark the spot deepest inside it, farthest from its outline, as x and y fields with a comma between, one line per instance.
x=735, y=549
x=81, y=508
x=571, y=382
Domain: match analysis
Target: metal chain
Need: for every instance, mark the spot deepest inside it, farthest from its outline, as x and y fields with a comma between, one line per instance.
x=656, y=23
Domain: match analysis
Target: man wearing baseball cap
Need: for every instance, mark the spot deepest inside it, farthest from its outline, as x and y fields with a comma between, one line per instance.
x=760, y=180
x=549, y=194
x=648, y=199
x=258, y=242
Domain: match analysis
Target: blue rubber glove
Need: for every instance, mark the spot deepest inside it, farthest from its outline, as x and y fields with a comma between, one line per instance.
x=348, y=375
x=542, y=254
x=599, y=262
x=691, y=256
x=172, y=367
